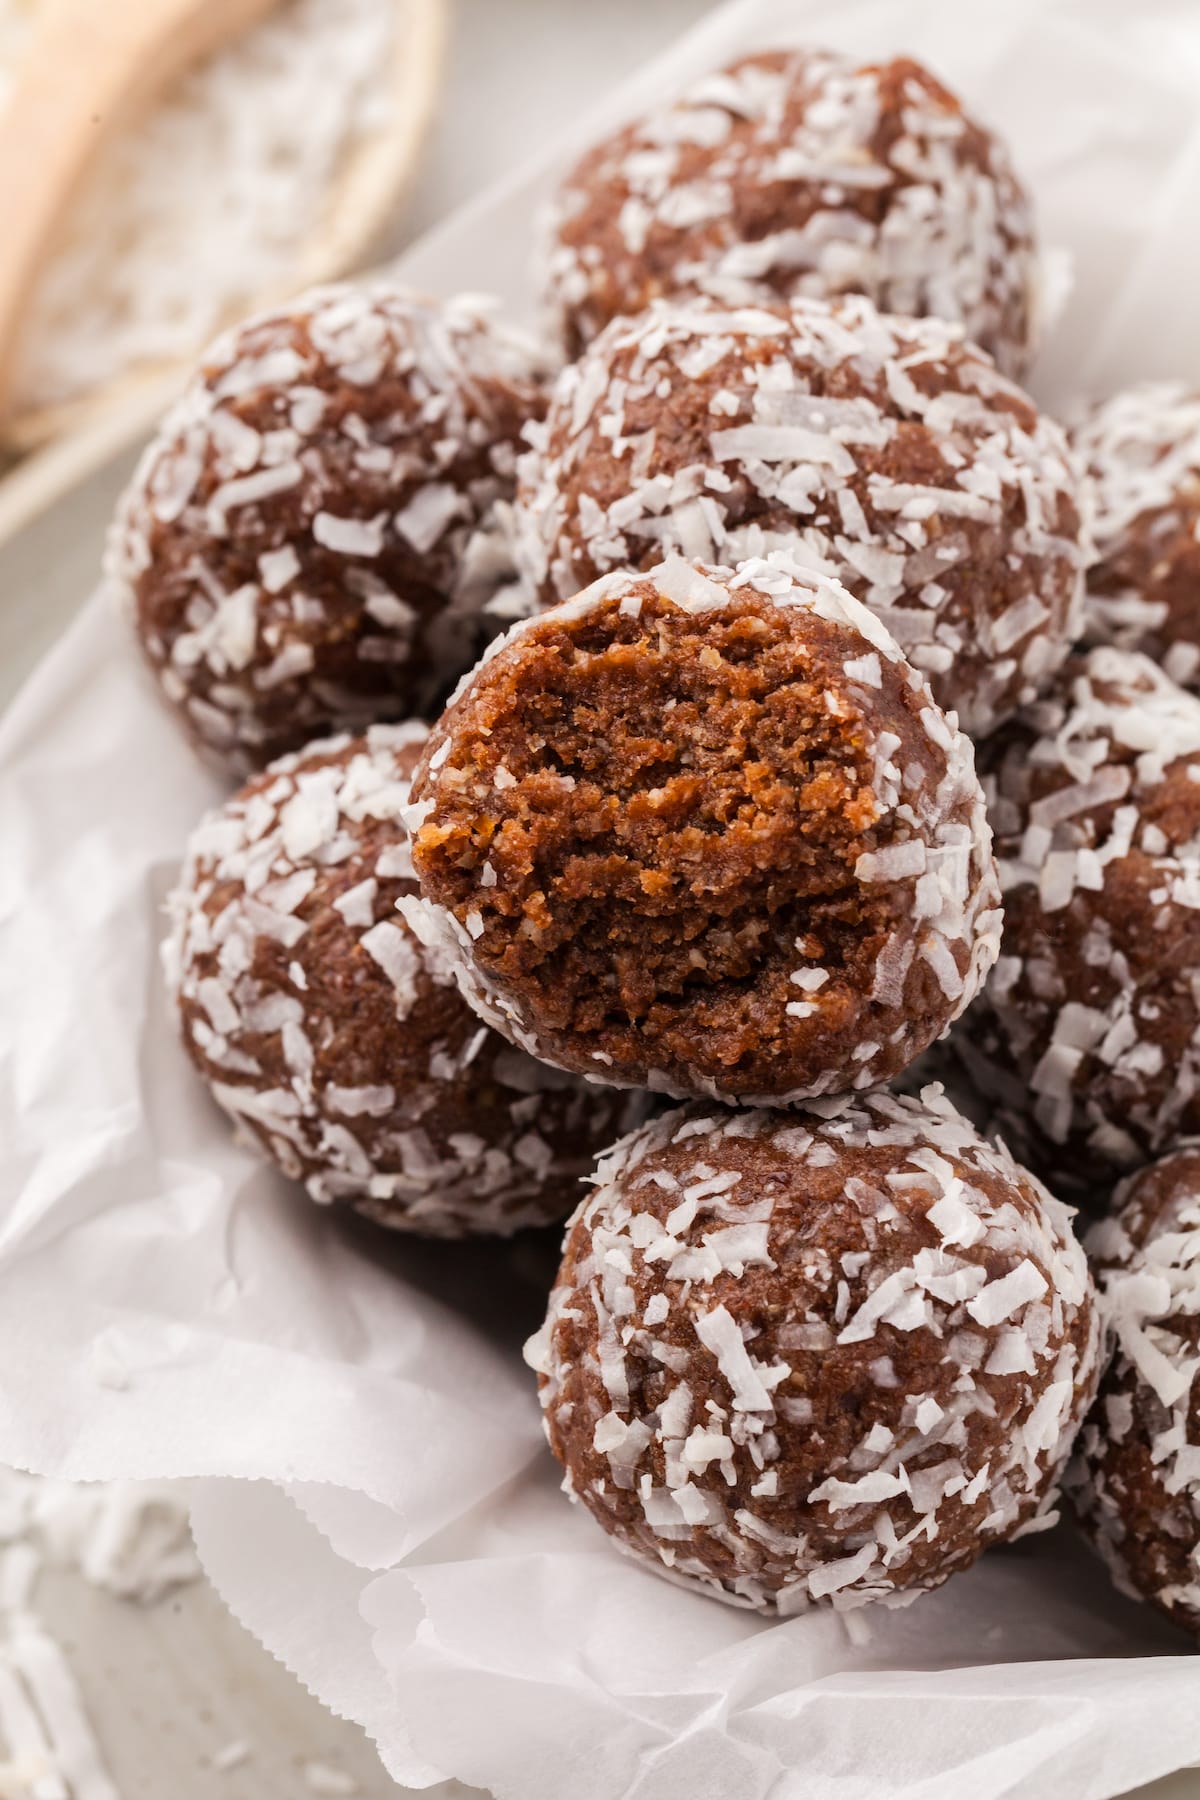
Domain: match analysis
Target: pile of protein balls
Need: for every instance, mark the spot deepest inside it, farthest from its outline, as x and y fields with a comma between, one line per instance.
x=789, y=555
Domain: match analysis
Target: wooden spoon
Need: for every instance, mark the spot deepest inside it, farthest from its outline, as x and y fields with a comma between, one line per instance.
x=90, y=66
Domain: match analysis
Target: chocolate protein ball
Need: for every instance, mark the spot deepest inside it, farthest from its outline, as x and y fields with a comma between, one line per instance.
x=1134, y=1483
x=334, y=1039
x=816, y=1358
x=707, y=832
x=972, y=1065
x=798, y=172
x=885, y=452
x=307, y=542
x=1141, y=452
x=1094, y=795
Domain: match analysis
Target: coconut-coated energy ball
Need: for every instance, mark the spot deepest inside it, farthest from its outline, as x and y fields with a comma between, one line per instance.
x=336, y=1042
x=800, y=172
x=1094, y=795
x=972, y=1066
x=1134, y=1483
x=706, y=832
x=307, y=543
x=885, y=452
x=816, y=1358
x=1141, y=453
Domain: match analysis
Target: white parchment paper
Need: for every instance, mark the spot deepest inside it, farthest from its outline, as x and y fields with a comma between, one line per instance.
x=370, y=1490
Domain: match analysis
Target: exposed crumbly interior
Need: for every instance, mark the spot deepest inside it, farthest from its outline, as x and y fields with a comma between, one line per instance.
x=307, y=543
x=685, y=809
x=1134, y=1482
x=1095, y=799
x=883, y=452
x=824, y=1357
x=796, y=172
x=1141, y=452
x=334, y=1039
x=682, y=841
